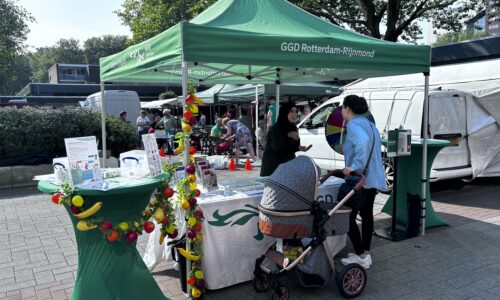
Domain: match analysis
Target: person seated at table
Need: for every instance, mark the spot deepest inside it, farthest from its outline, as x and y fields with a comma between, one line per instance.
x=240, y=134
x=282, y=140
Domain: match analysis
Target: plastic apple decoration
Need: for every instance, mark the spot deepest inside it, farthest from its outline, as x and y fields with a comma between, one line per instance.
x=188, y=115
x=198, y=274
x=106, y=225
x=199, y=214
x=196, y=293
x=77, y=201
x=192, y=121
x=192, y=221
x=131, y=236
x=149, y=227
x=191, y=281
x=174, y=234
x=56, y=198
x=190, y=169
x=192, y=201
x=165, y=220
x=197, y=193
x=191, y=234
x=168, y=192
x=189, y=99
x=197, y=228
x=75, y=210
x=201, y=283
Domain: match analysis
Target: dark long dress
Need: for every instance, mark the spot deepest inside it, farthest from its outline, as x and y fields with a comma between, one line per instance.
x=279, y=149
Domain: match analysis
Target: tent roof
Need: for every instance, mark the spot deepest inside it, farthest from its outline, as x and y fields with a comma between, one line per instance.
x=470, y=77
x=234, y=40
x=158, y=103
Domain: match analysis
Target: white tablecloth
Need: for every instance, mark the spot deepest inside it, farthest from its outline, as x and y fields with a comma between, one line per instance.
x=231, y=237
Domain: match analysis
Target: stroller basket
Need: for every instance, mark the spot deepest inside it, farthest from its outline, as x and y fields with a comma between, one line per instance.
x=291, y=225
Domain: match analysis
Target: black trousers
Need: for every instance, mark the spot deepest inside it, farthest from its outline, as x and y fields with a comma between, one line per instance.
x=362, y=241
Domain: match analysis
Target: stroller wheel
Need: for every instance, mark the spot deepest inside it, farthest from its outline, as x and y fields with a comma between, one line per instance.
x=281, y=293
x=261, y=282
x=351, y=280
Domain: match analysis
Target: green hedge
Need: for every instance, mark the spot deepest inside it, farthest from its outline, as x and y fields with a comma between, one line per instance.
x=30, y=131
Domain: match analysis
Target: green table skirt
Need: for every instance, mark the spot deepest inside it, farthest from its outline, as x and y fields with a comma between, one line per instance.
x=112, y=270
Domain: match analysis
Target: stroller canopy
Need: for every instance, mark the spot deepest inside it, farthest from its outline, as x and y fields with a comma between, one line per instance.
x=292, y=186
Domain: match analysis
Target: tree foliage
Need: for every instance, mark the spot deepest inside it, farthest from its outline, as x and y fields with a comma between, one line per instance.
x=399, y=17
x=391, y=20
x=97, y=47
x=13, y=32
x=147, y=18
x=453, y=37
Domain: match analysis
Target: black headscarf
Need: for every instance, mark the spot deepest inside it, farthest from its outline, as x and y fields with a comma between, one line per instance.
x=283, y=121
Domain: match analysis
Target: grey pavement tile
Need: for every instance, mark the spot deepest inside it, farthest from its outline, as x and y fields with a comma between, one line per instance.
x=14, y=297
x=6, y=272
x=24, y=275
x=43, y=294
x=28, y=292
x=17, y=286
x=44, y=277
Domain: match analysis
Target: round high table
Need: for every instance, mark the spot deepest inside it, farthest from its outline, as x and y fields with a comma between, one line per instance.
x=409, y=174
x=112, y=270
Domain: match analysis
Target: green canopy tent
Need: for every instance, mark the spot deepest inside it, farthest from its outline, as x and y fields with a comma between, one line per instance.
x=262, y=41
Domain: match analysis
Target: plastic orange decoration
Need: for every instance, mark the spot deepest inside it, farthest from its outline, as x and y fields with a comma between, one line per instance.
x=192, y=150
x=113, y=235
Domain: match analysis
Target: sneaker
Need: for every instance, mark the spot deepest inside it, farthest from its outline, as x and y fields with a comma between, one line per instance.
x=369, y=257
x=355, y=259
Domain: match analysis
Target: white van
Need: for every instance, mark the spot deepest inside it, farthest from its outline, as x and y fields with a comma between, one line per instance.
x=116, y=102
x=449, y=115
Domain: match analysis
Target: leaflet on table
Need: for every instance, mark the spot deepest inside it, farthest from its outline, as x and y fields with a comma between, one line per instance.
x=152, y=154
x=83, y=160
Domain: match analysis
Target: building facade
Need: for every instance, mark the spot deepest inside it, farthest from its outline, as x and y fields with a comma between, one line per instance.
x=492, y=18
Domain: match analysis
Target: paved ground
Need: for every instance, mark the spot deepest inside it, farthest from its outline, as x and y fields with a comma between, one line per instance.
x=38, y=256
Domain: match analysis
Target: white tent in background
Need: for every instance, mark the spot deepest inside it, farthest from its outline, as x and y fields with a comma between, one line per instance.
x=158, y=103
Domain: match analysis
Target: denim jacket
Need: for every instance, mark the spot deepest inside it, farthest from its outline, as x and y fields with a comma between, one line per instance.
x=359, y=140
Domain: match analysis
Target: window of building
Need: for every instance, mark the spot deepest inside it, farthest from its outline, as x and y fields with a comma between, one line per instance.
x=72, y=74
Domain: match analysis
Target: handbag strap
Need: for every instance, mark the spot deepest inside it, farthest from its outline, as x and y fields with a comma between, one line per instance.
x=365, y=171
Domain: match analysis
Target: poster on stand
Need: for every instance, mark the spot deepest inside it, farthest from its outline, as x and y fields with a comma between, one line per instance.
x=83, y=160
x=152, y=154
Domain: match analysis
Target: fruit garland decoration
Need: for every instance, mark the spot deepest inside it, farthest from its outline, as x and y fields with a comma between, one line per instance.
x=160, y=208
x=187, y=194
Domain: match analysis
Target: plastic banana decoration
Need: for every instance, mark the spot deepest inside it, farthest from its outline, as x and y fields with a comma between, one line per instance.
x=180, y=148
x=188, y=255
x=83, y=225
x=89, y=212
x=162, y=237
x=193, y=108
x=198, y=100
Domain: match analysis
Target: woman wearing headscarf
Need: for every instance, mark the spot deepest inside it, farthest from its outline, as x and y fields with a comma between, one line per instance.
x=282, y=140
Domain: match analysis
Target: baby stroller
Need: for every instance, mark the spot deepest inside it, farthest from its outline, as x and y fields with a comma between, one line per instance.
x=289, y=210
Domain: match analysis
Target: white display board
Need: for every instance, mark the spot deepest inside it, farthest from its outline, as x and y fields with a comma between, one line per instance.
x=152, y=154
x=83, y=160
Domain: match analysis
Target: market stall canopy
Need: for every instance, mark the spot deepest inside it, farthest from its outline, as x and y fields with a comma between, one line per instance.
x=158, y=103
x=246, y=93
x=251, y=41
x=208, y=96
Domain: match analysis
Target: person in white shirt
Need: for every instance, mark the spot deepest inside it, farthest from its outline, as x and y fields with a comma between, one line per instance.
x=142, y=123
x=203, y=119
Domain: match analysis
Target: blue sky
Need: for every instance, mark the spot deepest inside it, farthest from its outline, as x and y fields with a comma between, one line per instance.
x=78, y=19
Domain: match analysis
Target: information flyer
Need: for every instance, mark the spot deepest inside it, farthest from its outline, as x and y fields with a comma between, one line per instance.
x=152, y=154
x=83, y=159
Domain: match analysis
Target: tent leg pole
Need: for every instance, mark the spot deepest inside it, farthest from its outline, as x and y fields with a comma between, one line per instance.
x=103, y=125
x=186, y=158
x=278, y=82
x=256, y=121
x=425, y=130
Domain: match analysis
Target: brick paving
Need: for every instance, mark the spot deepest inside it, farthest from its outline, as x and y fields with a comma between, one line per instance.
x=38, y=256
